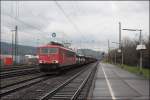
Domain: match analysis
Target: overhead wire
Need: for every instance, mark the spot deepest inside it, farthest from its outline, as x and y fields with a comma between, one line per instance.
x=14, y=15
x=69, y=19
x=73, y=24
x=60, y=7
x=29, y=25
x=17, y=10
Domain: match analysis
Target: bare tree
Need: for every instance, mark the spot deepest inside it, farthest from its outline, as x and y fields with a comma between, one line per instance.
x=131, y=55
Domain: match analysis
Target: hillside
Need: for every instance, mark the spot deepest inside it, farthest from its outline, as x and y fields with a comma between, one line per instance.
x=91, y=53
x=23, y=50
x=6, y=48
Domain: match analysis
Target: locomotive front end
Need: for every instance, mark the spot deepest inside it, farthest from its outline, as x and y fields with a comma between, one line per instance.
x=48, y=58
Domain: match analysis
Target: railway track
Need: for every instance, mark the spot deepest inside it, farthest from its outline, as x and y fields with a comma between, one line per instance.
x=13, y=73
x=71, y=89
x=18, y=79
x=39, y=88
x=11, y=68
x=20, y=85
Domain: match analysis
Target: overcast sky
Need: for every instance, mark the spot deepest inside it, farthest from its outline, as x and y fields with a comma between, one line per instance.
x=87, y=24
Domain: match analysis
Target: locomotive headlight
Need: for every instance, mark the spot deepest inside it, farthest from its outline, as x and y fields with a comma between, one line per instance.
x=40, y=61
x=55, y=61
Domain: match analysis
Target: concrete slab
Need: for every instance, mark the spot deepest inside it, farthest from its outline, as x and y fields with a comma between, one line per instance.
x=113, y=81
x=101, y=88
x=142, y=86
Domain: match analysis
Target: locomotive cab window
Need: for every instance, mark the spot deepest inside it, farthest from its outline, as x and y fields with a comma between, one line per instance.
x=44, y=50
x=53, y=50
x=70, y=54
x=48, y=50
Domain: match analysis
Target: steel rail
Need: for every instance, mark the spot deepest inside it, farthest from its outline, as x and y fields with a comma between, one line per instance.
x=4, y=69
x=18, y=72
x=74, y=97
x=15, y=83
x=14, y=71
x=79, y=88
x=51, y=93
x=15, y=88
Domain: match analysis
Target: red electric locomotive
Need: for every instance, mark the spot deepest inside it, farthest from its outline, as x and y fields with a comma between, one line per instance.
x=55, y=56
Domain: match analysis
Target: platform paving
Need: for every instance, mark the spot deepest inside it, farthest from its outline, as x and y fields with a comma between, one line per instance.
x=114, y=83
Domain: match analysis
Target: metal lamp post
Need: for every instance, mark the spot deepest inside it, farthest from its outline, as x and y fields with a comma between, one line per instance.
x=15, y=44
x=120, y=45
x=140, y=47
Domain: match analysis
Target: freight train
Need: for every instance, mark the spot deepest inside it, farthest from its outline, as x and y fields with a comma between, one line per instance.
x=55, y=57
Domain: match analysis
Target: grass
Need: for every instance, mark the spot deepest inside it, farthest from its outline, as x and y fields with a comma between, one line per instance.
x=146, y=73
x=134, y=69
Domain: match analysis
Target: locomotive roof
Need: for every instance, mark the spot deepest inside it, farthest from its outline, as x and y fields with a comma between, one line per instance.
x=56, y=43
x=55, y=46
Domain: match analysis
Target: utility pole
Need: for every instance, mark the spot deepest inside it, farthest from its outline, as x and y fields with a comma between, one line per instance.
x=116, y=52
x=0, y=51
x=115, y=57
x=119, y=35
x=140, y=50
x=108, y=51
x=120, y=43
x=16, y=43
x=122, y=56
x=12, y=46
x=37, y=45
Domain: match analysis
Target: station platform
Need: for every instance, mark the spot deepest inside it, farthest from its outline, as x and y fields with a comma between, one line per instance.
x=113, y=83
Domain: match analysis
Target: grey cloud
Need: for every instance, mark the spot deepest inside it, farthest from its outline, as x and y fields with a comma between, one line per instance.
x=96, y=20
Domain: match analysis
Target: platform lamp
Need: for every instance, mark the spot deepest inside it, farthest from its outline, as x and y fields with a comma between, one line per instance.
x=139, y=47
